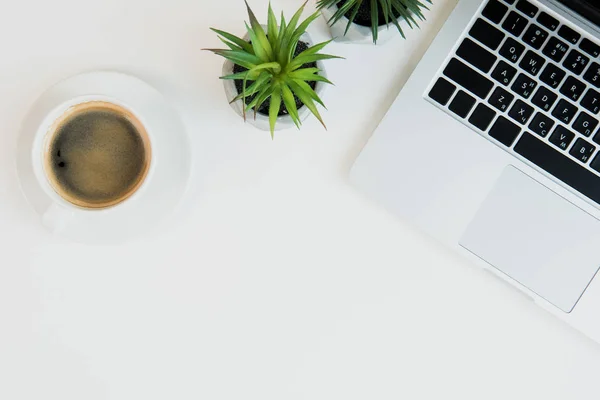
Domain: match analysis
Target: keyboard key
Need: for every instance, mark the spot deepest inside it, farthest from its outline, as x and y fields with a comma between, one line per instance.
x=501, y=99
x=559, y=165
x=535, y=36
x=564, y=111
x=541, y=124
x=505, y=131
x=569, y=34
x=590, y=47
x=512, y=50
x=504, y=73
x=582, y=150
x=486, y=34
x=576, y=62
x=532, y=63
x=476, y=55
x=515, y=23
x=527, y=8
x=442, y=91
x=523, y=86
x=552, y=75
x=462, y=104
x=555, y=49
x=585, y=124
x=596, y=163
x=520, y=112
x=592, y=75
x=548, y=21
x=597, y=138
x=573, y=88
x=494, y=11
x=482, y=117
x=544, y=98
x=562, y=137
x=591, y=101
x=468, y=78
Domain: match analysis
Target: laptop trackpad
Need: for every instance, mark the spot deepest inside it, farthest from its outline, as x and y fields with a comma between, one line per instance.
x=537, y=238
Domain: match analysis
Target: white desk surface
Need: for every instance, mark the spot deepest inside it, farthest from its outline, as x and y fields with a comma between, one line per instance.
x=277, y=280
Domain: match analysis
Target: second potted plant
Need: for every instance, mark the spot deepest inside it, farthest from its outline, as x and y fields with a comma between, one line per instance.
x=274, y=73
x=366, y=21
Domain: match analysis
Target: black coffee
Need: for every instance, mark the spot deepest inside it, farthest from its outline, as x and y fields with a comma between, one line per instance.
x=97, y=156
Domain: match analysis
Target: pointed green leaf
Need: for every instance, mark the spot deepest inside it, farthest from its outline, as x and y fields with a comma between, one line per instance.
x=308, y=90
x=282, y=27
x=259, y=50
x=314, y=49
x=352, y=17
x=291, y=28
x=290, y=104
x=259, y=35
x=234, y=39
x=242, y=75
x=306, y=100
x=255, y=87
x=300, y=61
x=374, y=20
x=240, y=58
x=274, y=109
x=260, y=98
x=308, y=76
x=304, y=26
x=341, y=11
x=270, y=66
x=272, y=30
x=230, y=45
x=286, y=40
x=386, y=9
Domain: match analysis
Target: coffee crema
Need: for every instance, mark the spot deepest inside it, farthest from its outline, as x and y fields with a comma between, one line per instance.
x=96, y=154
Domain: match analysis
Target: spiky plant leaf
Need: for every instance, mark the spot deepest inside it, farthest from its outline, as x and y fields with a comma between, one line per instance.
x=374, y=20
x=309, y=75
x=274, y=108
x=306, y=98
x=241, y=58
x=234, y=39
x=290, y=104
x=301, y=60
x=255, y=87
x=273, y=70
x=309, y=91
x=257, y=34
x=392, y=10
x=273, y=29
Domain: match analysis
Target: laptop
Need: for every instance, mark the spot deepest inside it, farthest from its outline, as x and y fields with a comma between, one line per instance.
x=493, y=148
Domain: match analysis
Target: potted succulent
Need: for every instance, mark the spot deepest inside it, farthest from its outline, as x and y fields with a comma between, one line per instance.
x=274, y=71
x=366, y=21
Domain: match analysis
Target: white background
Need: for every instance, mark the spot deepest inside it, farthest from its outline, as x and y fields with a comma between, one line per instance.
x=276, y=280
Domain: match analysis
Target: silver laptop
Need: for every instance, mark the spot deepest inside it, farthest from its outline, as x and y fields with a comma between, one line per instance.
x=493, y=147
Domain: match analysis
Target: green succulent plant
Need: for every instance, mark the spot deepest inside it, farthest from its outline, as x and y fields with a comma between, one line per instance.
x=391, y=10
x=271, y=69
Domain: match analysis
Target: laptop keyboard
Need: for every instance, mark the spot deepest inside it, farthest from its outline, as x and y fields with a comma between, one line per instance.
x=529, y=82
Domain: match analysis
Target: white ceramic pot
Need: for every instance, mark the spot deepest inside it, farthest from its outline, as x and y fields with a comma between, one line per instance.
x=262, y=120
x=357, y=33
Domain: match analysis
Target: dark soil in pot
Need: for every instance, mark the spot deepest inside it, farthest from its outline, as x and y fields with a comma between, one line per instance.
x=264, y=109
x=363, y=17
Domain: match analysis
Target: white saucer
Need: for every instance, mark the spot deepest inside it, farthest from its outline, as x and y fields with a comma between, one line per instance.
x=170, y=151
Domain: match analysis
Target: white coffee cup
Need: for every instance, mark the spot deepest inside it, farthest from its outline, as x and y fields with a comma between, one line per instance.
x=161, y=191
x=61, y=212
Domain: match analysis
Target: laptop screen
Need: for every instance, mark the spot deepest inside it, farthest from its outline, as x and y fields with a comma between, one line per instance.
x=589, y=9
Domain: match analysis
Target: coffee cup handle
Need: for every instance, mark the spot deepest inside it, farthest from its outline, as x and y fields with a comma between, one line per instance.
x=57, y=218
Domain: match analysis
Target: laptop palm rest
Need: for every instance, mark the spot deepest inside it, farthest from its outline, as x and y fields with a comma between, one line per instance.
x=537, y=238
